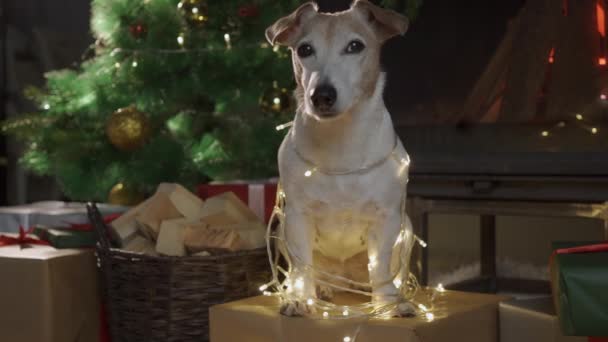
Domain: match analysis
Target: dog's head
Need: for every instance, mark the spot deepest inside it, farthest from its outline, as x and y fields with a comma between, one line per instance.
x=336, y=57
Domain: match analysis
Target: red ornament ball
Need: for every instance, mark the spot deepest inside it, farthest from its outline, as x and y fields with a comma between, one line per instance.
x=248, y=11
x=138, y=30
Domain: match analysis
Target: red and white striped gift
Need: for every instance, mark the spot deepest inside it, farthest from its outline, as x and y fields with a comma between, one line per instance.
x=259, y=196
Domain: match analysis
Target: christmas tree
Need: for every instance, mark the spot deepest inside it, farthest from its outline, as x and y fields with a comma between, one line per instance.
x=172, y=91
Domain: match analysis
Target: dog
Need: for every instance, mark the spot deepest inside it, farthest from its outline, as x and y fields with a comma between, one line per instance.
x=342, y=167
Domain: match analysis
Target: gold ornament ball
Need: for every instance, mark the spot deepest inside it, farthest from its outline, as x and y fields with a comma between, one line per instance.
x=120, y=194
x=277, y=100
x=195, y=12
x=128, y=129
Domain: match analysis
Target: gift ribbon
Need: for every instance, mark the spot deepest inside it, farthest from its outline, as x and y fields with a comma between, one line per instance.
x=598, y=339
x=21, y=239
x=596, y=248
x=88, y=227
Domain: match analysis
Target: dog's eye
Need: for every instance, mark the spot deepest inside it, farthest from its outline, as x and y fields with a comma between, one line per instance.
x=354, y=46
x=305, y=50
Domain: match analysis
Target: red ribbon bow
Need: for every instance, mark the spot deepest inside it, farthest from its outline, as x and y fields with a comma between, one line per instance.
x=87, y=226
x=21, y=239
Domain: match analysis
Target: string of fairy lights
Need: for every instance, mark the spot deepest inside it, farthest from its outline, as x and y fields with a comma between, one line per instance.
x=288, y=282
x=579, y=121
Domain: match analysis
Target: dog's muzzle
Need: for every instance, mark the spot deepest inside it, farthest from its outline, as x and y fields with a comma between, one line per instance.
x=323, y=98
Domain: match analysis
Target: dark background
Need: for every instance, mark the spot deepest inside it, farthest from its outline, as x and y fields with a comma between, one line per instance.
x=430, y=70
x=434, y=66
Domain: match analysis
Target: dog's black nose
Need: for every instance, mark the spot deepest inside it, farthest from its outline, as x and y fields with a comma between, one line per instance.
x=323, y=97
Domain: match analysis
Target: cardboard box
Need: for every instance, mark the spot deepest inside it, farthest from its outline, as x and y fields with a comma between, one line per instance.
x=48, y=295
x=459, y=316
x=531, y=320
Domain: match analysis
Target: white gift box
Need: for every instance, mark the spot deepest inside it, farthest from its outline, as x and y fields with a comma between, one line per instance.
x=49, y=213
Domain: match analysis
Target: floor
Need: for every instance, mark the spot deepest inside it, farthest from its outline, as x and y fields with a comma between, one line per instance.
x=523, y=245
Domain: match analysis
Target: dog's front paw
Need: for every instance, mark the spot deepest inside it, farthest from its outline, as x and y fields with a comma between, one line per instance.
x=296, y=308
x=404, y=309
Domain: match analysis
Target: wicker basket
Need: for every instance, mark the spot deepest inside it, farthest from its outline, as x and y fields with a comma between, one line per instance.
x=162, y=298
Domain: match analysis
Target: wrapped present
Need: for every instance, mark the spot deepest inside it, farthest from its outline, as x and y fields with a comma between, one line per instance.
x=226, y=223
x=66, y=237
x=170, y=201
x=259, y=197
x=461, y=317
x=140, y=244
x=200, y=238
x=579, y=279
x=171, y=237
x=531, y=320
x=50, y=214
x=176, y=222
x=48, y=294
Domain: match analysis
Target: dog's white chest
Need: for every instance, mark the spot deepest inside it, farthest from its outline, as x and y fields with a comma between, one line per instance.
x=342, y=209
x=342, y=231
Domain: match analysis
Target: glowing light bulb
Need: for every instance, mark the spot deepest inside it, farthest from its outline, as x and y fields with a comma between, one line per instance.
x=299, y=284
x=134, y=64
x=429, y=316
x=372, y=262
x=283, y=126
x=544, y=133
x=440, y=288
x=603, y=97
x=180, y=39
x=194, y=10
x=325, y=314
x=579, y=117
x=397, y=282
x=117, y=65
x=399, y=238
x=345, y=312
x=310, y=301
x=594, y=130
x=227, y=40
x=308, y=173
x=347, y=339
x=46, y=106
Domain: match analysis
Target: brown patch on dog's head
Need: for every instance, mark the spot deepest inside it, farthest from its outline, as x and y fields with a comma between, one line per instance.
x=286, y=30
x=324, y=56
x=386, y=23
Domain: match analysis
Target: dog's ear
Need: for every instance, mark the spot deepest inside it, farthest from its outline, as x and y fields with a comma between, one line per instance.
x=285, y=29
x=386, y=23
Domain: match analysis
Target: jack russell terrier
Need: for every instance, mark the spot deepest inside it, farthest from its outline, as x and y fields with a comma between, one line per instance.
x=342, y=167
